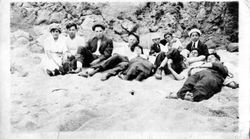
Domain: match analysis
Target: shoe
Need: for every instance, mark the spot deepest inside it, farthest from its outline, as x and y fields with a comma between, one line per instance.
x=83, y=74
x=158, y=74
x=93, y=72
x=50, y=73
x=57, y=72
x=105, y=77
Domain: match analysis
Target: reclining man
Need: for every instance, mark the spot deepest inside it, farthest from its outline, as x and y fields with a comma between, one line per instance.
x=96, y=50
x=205, y=83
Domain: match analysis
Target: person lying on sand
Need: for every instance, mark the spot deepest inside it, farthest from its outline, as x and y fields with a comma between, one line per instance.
x=55, y=49
x=205, y=83
x=97, y=49
x=119, y=61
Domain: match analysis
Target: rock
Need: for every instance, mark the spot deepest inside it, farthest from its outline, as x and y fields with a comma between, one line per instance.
x=42, y=17
x=36, y=48
x=90, y=20
x=154, y=28
x=232, y=47
x=210, y=44
x=202, y=14
x=129, y=26
x=56, y=17
x=21, y=34
x=177, y=34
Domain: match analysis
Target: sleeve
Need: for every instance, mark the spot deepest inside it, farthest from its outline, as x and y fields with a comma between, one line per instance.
x=108, y=50
x=220, y=68
x=152, y=50
x=79, y=56
x=205, y=50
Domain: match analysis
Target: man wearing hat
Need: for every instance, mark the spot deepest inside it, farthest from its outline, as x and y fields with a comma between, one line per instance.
x=55, y=49
x=197, y=44
x=96, y=50
x=156, y=47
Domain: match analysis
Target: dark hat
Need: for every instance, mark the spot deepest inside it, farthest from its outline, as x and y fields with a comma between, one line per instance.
x=98, y=25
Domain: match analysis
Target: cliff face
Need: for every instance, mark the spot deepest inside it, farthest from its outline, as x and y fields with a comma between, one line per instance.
x=217, y=20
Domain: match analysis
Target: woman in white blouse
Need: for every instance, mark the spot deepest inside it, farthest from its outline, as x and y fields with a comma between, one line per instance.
x=55, y=48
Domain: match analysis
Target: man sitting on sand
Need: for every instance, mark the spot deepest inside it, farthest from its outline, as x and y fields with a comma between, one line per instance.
x=119, y=61
x=73, y=42
x=205, y=83
x=170, y=42
x=97, y=49
x=197, y=44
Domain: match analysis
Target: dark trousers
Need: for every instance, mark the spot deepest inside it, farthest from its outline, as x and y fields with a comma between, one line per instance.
x=177, y=64
x=202, y=84
x=114, y=64
x=85, y=56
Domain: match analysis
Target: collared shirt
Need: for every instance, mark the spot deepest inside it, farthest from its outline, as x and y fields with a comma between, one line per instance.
x=195, y=44
x=98, y=46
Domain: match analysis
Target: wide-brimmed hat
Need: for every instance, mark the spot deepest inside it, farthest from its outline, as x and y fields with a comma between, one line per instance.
x=55, y=26
x=98, y=25
x=194, y=30
x=155, y=36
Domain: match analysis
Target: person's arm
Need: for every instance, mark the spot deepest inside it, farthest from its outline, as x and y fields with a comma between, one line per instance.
x=107, y=52
x=196, y=59
x=176, y=75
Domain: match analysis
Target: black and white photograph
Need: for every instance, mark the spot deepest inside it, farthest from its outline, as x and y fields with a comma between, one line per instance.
x=135, y=67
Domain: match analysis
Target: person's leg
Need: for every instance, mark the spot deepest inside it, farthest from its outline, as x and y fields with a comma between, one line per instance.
x=160, y=57
x=207, y=87
x=84, y=56
x=131, y=72
x=114, y=71
x=140, y=76
x=188, y=85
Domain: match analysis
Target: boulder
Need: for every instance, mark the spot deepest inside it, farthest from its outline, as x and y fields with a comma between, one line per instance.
x=56, y=17
x=129, y=26
x=210, y=44
x=36, y=48
x=43, y=16
x=90, y=20
x=232, y=47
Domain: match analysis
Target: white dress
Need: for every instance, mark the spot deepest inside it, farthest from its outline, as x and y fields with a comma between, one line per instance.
x=56, y=49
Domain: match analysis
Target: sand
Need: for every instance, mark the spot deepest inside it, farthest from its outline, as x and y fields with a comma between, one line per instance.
x=72, y=103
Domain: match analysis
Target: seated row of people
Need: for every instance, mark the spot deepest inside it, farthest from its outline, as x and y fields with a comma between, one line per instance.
x=71, y=54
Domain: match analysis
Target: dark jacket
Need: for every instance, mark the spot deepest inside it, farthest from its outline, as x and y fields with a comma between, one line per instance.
x=105, y=49
x=154, y=49
x=202, y=48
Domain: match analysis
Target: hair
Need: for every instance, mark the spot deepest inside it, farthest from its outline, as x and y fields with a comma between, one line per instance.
x=215, y=54
x=132, y=48
x=136, y=36
x=53, y=29
x=168, y=33
x=69, y=25
x=98, y=25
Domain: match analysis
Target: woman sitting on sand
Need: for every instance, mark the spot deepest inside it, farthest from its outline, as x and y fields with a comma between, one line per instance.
x=55, y=48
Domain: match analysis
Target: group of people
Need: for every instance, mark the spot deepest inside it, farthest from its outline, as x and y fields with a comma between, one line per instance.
x=71, y=54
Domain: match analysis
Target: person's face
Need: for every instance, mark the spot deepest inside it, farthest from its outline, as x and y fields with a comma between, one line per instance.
x=55, y=33
x=194, y=53
x=72, y=31
x=212, y=58
x=137, y=50
x=168, y=38
x=99, y=32
x=195, y=36
x=132, y=40
x=156, y=40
